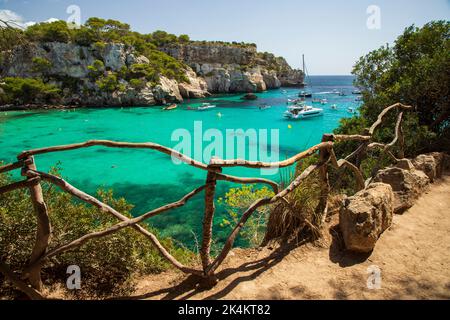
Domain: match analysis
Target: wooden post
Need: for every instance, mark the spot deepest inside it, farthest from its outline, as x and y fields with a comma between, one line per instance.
x=401, y=140
x=210, y=191
x=43, y=229
x=324, y=156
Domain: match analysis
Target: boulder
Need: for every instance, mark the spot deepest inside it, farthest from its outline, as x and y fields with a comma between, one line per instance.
x=365, y=216
x=407, y=185
x=167, y=90
x=427, y=164
x=405, y=164
x=195, y=88
x=440, y=159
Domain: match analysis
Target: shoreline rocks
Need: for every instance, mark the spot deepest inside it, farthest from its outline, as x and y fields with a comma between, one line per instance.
x=365, y=216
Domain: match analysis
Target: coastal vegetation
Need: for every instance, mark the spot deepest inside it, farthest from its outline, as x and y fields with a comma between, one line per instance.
x=108, y=264
x=414, y=71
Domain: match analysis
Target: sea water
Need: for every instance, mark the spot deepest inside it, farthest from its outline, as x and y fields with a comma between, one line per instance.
x=149, y=179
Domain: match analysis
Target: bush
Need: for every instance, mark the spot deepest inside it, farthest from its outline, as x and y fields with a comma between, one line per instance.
x=41, y=65
x=415, y=72
x=236, y=202
x=137, y=83
x=108, y=83
x=96, y=69
x=57, y=31
x=107, y=264
x=28, y=90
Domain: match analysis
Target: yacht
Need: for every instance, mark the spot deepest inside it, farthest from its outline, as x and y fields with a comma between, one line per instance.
x=206, y=106
x=302, y=111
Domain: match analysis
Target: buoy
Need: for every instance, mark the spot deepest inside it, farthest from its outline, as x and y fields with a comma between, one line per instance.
x=289, y=126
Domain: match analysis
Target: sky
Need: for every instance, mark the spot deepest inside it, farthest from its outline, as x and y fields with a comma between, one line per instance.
x=332, y=34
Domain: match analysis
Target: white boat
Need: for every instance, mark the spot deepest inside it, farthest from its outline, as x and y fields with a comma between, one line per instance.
x=324, y=101
x=334, y=107
x=206, y=106
x=351, y=110
x=294, y=101
x=264, y=107
x=302, y=112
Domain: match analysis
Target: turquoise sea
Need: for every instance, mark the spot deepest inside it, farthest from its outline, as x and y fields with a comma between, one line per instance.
x=149, y=179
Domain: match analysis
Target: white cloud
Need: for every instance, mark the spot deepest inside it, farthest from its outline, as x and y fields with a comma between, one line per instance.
x=15, y=20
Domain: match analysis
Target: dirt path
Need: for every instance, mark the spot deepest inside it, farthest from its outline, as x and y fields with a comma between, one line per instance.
x=414, y=258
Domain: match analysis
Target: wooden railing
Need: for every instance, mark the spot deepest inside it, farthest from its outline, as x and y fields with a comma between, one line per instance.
x=30, y=281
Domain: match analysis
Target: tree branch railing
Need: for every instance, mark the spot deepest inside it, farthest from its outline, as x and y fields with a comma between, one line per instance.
x=41, y=254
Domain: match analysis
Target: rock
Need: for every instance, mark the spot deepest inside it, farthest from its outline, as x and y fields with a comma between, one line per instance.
x=167, y=91
x=271, y=80
x=115, y=56
x=196, y=88
x=405, y=164
x=365, y=216
x=427, y=164
x=407, y=185
x=228, y=68
x=440, y=159
x=250, y=96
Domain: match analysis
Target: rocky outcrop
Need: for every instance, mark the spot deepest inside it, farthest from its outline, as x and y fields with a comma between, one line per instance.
x=408, y=185
x=365, y=216
x=228, y=68
x=70, y=62
x=209, y=68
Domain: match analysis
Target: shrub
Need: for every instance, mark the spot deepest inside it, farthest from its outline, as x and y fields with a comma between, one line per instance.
x=107, y=264
x=96, y=69
x=41, y=65
x=236, y=202
x=108, y=83
x=57, y=31
x=137, y=83
x=28, y=90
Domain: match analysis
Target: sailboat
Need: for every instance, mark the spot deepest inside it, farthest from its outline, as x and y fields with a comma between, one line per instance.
x=303, y=93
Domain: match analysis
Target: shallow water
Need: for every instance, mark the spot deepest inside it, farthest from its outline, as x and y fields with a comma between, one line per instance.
x=148, y=179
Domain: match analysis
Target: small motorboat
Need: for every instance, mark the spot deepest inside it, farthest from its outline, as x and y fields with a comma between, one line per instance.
x=357, y=92
x=334, y=107
x=304, y=94
x=206, y=107
x=171, y=107
x=324, y=101
x=264, y=107
x=302, y=112
x=351, y=110
x=294, y=101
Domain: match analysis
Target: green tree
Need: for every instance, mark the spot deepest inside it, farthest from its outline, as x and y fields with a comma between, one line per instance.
x=28, y=90
x=415, y=71
x=56, y=31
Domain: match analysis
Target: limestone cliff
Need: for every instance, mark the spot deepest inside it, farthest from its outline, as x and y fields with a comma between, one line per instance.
x=228, y=68
x=206, y=67
x=69, y=69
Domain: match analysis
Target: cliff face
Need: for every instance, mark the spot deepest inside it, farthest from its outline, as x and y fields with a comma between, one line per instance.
x=209, y=68
x=69, y=69
x=229, y=68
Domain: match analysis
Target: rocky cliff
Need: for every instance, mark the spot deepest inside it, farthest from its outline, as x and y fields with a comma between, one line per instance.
x=208, y=68
x=70, y=69
x=228, y=68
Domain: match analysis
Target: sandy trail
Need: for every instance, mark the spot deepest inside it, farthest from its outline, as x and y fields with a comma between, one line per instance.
x=413, y=256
